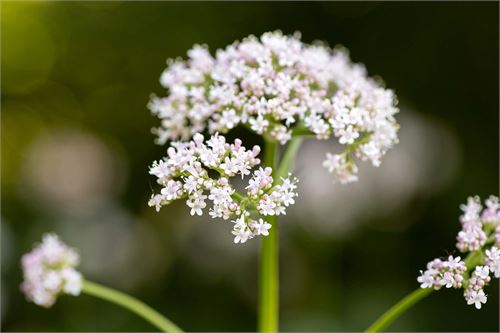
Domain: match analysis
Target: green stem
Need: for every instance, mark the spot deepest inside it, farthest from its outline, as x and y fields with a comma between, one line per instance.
x=269, y=260
x=301, y=131
x=399, y=308
x=472, y=260
x=269, y=257
x=132, y=304
x=288, y=158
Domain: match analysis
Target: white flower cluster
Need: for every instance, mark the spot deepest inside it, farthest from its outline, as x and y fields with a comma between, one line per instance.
x=480, y=229
x=199, y=171
x=276, y=86
x=49, y=270
x=475, y=223
x=441, y=273
x=474, y=293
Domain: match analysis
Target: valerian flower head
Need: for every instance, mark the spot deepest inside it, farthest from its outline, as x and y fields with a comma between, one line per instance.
x=479, y=233
x=199, y=171
x=278, y=86
x=49, y=270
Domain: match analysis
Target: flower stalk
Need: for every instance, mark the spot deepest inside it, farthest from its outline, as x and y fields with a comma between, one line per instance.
x=269, y=256
x=398, y=309
x=470, y=262
x=132, y=304
x=269, y=261
x=408, y=301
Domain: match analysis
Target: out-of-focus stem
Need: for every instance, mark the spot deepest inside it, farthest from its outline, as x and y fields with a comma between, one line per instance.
x=132, y=304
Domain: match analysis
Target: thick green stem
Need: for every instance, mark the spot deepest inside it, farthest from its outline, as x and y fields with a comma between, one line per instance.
x=269, y=262
x=472, y=260
x=132, y=304
x=399, y=308
x=269, y=256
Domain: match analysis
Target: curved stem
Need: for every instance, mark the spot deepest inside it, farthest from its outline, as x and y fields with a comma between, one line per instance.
x=399, y=308
x=473, y=259
x=132, y=304
x=269, y=260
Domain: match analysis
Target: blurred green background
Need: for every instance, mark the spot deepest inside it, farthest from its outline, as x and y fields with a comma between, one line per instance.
x=76, y=144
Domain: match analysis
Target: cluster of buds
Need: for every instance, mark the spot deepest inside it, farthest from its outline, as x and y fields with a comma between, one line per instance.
x=480, y=235
x=278, y=86
x=49, y=270
x=199, y=171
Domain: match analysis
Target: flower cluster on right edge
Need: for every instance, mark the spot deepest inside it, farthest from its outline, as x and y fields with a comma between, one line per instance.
x=480, y=237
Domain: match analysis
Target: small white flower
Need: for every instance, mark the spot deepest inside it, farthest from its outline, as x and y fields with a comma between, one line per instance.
x=448, y=279
x=426, y=279
x=348, y=135
x=493, y=260
x=344, y=171
x=259, y=124
x=261, y=180
x=262, y=227
x=482, y=272
x=190, y=184
x=229, y=166
x=240, y=222
x=241, y=235
x=171, y=190
x=267, y=206
x=229, y=119
x=476, y=297
x=197, y=203
x=471, y=210
x=471, y=237
x=156, y=200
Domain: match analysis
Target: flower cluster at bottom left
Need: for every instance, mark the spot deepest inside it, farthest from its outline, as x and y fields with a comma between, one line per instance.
x=49, y=270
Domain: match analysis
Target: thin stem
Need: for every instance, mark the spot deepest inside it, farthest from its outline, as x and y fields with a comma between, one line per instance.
x=132, y=304
x=399, y=308
x=269, y=262
x=473, y=259
x=288, y=158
